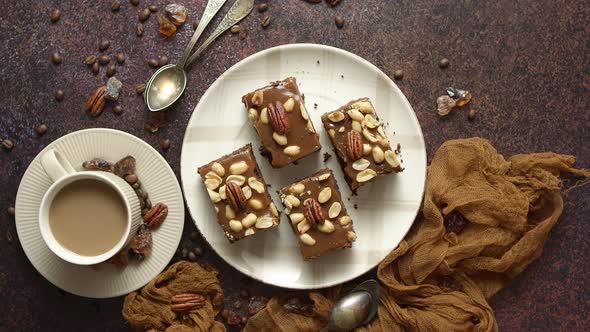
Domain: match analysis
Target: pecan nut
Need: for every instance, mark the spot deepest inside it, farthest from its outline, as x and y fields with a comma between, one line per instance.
x=313, y=212
x=156, y=215
x=186, y=302
x=354, y=145
x=95, y=103
x=235, y=196
x=278, y=118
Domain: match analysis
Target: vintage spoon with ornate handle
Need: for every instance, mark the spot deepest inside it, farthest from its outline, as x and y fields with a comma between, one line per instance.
x=168, y=83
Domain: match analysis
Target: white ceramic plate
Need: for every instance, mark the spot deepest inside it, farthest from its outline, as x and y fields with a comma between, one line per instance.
x=158, y=180
x=386, y=207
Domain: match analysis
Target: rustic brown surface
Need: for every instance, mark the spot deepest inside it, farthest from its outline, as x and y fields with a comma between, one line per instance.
x=526, y=64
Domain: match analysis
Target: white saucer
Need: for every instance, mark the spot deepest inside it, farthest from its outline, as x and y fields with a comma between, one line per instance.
x=329, y=77
x=157, y=178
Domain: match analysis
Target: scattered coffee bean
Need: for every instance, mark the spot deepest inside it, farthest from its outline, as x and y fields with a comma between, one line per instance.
x=244, y=293
x=192, y=257
x=140, y=88
x=163, y=61
x=144, y=14
x=139, y=30
x=339, y=20
x=262, y=7
x=144, y=195
x=115, y=5
x=198, y=251
x=443, y=63
x=153, y=8
x=56, y=58
x=95, y=68
x=118, y=109
x=165, y=144
x=266, y=21
x=120, y=57
x=235, y=29
x=243, y=34
x=153, y=63
x=59, y=95
x=195, y=24
x=42, y=129
x=134, y=2
x=131, y=178
x=55, y=15
x=193, y=235
x=398, y=74
x=471, y=114
x=111, y=70
x=184, y=253
x=11, y=211
x=104, y=59
x=90, y=60
x=7, y=144
x=104, y=45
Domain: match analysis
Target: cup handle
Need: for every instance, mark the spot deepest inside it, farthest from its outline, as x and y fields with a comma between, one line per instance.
x=55, y=165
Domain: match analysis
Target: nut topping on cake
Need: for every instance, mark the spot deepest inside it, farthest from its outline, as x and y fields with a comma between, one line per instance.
x=354, y=145
x=313, y=212
x=278, y=118
x=235, y=196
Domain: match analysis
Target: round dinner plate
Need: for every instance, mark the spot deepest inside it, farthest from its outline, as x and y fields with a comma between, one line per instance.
x=156, y=177
x=382, y=212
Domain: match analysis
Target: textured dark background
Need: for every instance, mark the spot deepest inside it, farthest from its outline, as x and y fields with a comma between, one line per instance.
x=526, y=63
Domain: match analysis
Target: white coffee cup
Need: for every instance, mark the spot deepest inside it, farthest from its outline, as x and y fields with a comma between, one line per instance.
x=62, y=173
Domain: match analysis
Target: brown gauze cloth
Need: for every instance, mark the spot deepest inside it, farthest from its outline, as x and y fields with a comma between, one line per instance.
x=438, y=280
x=149, y=308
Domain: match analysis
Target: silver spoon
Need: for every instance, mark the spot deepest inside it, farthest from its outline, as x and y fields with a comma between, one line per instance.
x=355, y=309
x=168, y=83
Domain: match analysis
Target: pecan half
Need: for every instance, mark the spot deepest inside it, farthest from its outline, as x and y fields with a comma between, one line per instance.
x=354, y=145
x=278, y=118
x=95, y=103
x=313, y=212
x=235, y=196
x=156, y=215
x=186, y=302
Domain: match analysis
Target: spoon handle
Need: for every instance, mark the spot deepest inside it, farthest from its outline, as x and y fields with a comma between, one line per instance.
x=212, y=8
x=239, y=10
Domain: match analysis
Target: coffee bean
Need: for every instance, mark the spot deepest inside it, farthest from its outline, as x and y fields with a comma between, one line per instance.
x=131, y=178
x=111, y=70
x=198, y=251
x=56, y=58
x=235, y=29
x=90, y=60
x=398, y=74
x=144, y=195
x=243, y=34
x=144, y=14
x=59, y=95
x=339, y=20
x=471, y=114
x=443, y=63
x=148, y=203
x=104, y=45
x=140, y=88
x=11, y=211
x=104, y=59
x=165, y=144
x=244, y=293
x=153, y=8
x=193, y=235
x=55, y=15
x=262, y=7
x=153, y=63
x=266, y=21
x=120, y=57
x=195, y=24
x=41, y=130
x=7, y=144
x=163, y=61
x=184, y=253
x=95, y=68
x=134, y=2
x=118, y=109
x=115, y=5
x=192, y=257
x=139, y=30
